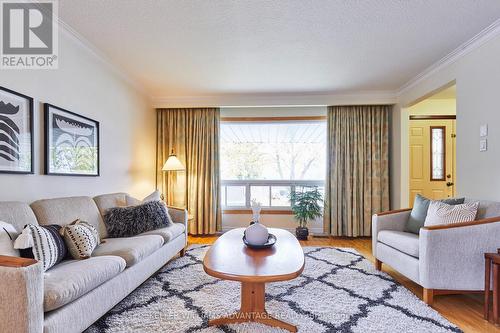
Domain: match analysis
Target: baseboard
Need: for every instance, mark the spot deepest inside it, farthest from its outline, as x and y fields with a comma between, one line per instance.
x=312, y=231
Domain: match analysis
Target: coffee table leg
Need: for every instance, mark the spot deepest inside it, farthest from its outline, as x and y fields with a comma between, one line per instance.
x=253, y=308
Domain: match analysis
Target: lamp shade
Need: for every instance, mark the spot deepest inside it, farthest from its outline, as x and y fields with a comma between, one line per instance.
x=173, y=164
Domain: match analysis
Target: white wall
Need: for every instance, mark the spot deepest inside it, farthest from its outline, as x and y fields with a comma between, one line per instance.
x=430, y=107
x=284, y=111
x=85, y=85
x=477, y=76
x=400, y=152
x=230, y=221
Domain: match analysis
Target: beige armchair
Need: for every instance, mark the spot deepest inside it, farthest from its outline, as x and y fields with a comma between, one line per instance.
x=443, y=259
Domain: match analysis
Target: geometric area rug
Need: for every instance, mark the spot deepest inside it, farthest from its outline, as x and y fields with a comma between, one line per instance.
x=339, y=291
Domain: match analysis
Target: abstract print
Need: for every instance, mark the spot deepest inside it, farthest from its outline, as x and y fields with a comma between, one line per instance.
x=9, y=133
x=73, y=143
x=15, y=132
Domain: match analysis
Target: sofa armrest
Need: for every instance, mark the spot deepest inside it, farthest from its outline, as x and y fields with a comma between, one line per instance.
x=179, y=215
x=452, y=256
x=391, y=220
x=21, y=295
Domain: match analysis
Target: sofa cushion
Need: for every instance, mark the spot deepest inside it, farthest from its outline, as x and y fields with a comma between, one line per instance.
x=121, y=199
x=441, y=213
x=486, y=208
x=405, y=242
x=134, y=220
x=168, y=233
x=63, y=211
x=8, y=235
x=111, y=200
x=71, y=279
x=132, y=249
x=419, y=212
x=43, y=243
x=17, y=214
x=81, y=238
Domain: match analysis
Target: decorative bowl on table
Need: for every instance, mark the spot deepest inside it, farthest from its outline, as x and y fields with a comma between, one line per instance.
x=271, y=240
x=257, y=236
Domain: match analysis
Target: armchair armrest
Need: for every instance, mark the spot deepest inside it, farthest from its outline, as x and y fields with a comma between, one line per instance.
x=463, y=224
x=390, y=220
x=452, y=256
x=21, y=295
x=179, y=215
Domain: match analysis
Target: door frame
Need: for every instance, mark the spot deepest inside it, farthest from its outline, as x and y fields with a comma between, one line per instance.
x=431, y=117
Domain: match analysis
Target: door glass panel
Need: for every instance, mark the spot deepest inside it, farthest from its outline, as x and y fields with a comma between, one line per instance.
x=437, y=153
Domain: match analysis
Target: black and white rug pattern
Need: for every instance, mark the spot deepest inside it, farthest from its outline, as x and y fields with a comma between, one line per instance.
x=339, y=291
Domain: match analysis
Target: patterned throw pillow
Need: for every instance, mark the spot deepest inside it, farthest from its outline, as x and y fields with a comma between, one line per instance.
x=134, y=220
x=43, y=243
x=131, y=201
x=442, y=213
x=418, y=213
x=81, y=239
x=8, y=235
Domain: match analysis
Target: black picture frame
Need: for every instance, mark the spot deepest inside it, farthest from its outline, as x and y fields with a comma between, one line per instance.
x=52, y=111
x=10, y=139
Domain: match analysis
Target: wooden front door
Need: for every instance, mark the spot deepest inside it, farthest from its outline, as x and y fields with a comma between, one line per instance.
x=432, y=158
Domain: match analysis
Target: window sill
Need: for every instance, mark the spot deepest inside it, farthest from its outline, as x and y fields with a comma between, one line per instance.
x=262, y=212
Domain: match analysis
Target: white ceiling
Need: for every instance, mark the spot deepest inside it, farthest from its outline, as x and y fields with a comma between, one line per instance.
x=189, y=48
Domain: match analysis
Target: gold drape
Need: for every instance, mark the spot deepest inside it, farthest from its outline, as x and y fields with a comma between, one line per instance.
x=357, y=183
x=193, y=134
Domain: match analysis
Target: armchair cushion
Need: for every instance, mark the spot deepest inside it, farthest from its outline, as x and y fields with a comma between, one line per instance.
x=405, y=242
x=442, y=213
x=419, y=212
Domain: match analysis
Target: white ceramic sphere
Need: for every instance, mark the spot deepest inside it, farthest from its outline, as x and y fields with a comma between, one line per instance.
x=256, y=234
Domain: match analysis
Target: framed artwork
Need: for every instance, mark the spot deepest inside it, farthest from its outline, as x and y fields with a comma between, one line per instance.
x=71, y=143
x=16, y=132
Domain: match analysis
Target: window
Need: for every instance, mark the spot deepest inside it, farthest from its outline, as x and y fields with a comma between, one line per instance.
x=437, y=152
x=266, y=161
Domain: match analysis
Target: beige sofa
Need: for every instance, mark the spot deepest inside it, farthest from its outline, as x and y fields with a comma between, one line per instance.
x=72, y=295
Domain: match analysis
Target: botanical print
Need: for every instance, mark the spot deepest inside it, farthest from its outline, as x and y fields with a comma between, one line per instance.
x=15, y=132
x=73, y=143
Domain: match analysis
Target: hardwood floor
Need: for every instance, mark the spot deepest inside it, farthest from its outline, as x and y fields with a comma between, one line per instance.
x=466, y=311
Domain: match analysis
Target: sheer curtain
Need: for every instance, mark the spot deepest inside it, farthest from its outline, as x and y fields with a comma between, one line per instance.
x=357, y=184
x=193, y=134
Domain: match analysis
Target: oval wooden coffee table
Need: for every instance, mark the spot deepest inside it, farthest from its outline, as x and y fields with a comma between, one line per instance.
x=230, y=259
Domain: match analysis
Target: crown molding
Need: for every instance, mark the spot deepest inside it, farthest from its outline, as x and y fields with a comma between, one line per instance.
x=475, y=42
x=288, y=99
x=105, y=60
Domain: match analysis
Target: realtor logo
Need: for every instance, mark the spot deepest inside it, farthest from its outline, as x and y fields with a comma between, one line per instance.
x=29, y=34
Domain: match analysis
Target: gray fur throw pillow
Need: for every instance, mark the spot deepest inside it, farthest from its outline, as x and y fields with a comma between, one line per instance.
x=134, y=220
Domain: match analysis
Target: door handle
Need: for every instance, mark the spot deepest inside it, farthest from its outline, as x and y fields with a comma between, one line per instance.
x=449, y=184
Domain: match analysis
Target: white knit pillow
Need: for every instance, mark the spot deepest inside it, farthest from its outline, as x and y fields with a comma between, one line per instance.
x=81, y=239
x=442, y=213
x=8, y=235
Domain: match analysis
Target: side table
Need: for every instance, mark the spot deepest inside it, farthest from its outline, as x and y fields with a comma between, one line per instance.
x=491, y=259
